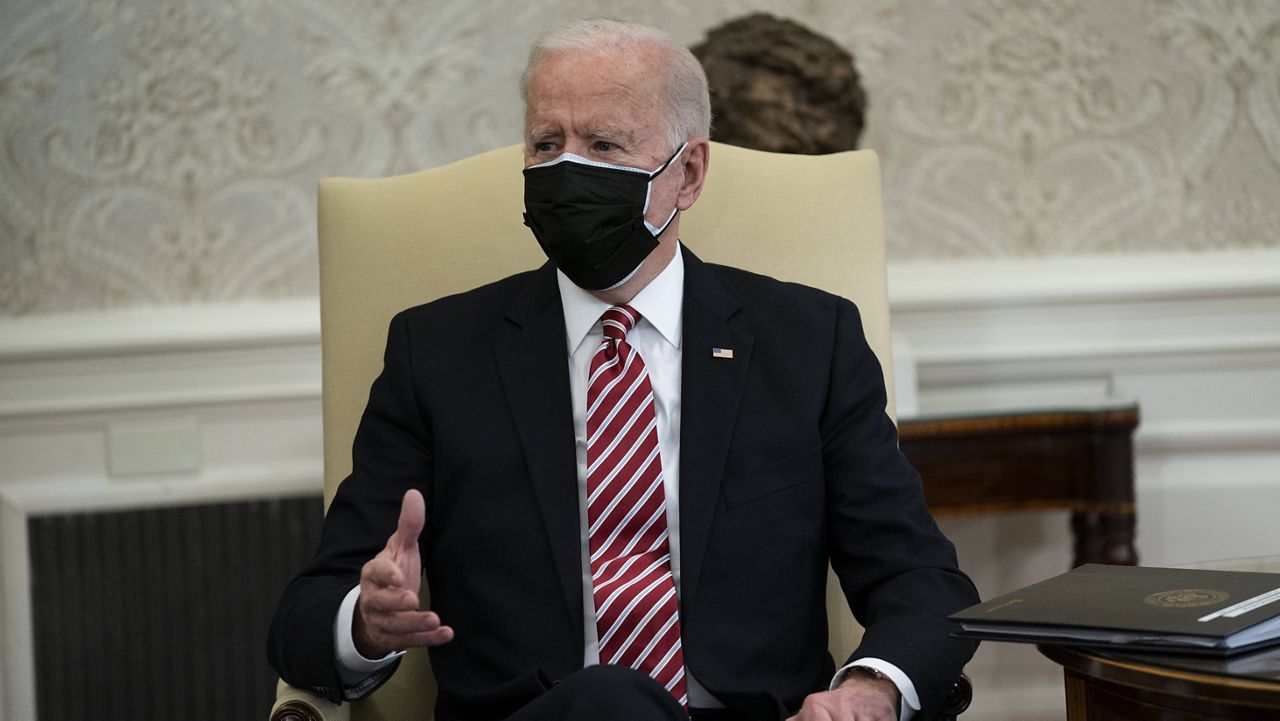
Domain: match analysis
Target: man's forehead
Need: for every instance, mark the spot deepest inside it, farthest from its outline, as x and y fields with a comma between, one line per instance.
x=613, y=112
x=583, y=74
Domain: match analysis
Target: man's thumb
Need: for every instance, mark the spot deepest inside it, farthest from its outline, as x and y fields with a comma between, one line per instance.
x=413, y=515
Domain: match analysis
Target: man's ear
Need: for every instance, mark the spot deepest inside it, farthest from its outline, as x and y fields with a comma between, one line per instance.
x=694, y=161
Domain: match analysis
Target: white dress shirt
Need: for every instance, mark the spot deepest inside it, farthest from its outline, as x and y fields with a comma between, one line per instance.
x=657, y=339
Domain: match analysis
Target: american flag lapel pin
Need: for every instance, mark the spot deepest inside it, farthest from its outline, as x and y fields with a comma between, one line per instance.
x=726, y=353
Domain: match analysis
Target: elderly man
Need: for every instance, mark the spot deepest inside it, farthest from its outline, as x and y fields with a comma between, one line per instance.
x=624, y=473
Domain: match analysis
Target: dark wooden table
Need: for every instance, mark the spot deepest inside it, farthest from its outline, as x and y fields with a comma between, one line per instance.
x=1074, y=458
x=1110, y=686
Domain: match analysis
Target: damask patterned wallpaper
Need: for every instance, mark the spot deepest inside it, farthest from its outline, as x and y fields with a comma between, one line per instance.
x=167, y=152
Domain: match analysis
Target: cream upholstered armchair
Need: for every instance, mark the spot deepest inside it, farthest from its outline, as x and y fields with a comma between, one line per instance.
x=390, y=243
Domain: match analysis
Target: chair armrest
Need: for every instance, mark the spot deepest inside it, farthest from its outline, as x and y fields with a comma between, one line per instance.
x=295, y=704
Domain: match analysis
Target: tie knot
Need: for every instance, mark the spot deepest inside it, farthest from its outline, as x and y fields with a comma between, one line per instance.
x=618, y=321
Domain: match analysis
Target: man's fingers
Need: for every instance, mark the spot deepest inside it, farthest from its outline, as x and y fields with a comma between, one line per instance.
x=388, y=600
x=409, y=622
x=408, y=630
x=846, y=703
x=382, y=572
x=441, y=635
x=814, y=710
x=413, y=516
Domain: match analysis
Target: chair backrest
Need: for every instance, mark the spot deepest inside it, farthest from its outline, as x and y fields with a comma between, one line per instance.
x=390, y=243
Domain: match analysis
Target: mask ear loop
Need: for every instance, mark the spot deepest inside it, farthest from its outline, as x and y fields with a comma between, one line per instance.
x=670, y=160
x=659, y=231
x=648, y=191
x=655, y=231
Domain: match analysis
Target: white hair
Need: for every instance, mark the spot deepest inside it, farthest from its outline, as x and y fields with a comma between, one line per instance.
x=686, y=100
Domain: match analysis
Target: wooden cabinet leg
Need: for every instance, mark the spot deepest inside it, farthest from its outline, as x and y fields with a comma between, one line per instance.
x=1077, y=695
x=1104, y=538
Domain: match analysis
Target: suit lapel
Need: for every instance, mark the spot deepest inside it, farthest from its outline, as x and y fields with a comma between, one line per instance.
x=534, y=365
x=711, y=388
x=533, y=362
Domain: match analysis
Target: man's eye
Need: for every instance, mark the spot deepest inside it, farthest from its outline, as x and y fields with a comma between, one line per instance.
x=545, y=146
x=604, y=146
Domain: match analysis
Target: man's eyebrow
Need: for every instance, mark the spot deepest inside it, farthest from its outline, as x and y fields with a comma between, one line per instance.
x=540, y=134
x=613, y=134
x=607, y=133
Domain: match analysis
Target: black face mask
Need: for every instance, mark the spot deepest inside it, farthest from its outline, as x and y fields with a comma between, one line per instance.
x=589, y=217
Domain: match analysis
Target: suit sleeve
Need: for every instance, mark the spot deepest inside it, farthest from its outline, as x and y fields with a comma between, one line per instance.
x=898, y=572
x=391, y=454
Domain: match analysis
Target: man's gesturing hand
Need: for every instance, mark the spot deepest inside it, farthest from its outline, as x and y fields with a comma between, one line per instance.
x=859, y=698
x=387, y=617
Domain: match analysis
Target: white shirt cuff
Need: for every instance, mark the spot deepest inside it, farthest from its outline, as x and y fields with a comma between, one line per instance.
x=910, y=701
x=353, y=667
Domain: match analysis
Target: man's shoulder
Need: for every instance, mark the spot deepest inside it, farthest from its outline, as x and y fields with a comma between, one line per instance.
x=770, y=294
x=490, y=299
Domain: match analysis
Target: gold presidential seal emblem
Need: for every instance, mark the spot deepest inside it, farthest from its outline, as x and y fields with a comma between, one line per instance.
x=1186, y=598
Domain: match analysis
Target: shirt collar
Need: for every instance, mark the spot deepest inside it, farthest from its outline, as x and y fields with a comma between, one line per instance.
x=661, y=303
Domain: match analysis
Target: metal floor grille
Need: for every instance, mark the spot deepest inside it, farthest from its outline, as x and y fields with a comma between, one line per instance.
x=162, y=613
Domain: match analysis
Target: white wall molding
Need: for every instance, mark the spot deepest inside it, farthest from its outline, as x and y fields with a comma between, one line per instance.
x=1209, y=437
x=159, y=358
x=156, y=381
x=160, y=329
x=1073, y=280
x=1072, y=327
x=1083, y=314
x=260, y=480
x=244, y=378
x=1195, y=338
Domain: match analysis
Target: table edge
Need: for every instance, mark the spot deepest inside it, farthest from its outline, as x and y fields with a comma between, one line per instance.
x=1140, y=675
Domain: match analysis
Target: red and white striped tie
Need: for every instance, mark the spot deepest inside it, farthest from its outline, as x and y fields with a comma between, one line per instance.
x=637, y=613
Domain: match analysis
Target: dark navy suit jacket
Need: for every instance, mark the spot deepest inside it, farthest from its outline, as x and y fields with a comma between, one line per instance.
x=788, y=461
